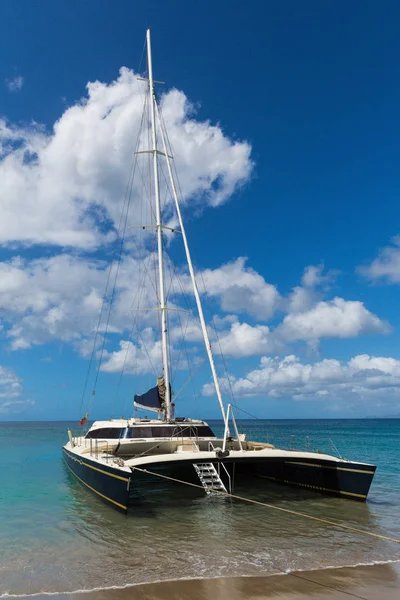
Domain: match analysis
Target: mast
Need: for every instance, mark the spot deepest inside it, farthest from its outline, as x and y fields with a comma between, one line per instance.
x=192, y=275
x=163, y=308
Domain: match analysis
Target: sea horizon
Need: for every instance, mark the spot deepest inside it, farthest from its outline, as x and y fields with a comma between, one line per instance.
x=371, y=418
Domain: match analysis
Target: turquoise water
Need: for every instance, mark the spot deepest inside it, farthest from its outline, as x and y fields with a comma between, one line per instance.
x=56, y=536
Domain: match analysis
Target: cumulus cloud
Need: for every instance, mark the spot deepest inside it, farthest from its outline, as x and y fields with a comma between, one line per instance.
x=334, y=319
x=145, y=357
x=314, y=276
x=60, y=298
x=240, y=289
x=66, y=187
x=361, y=378
x=48, y=299
x=386, y=266
x=246, y=340
x=10, y=392
x=306, y=295
x=15, y=84
x=337, y=318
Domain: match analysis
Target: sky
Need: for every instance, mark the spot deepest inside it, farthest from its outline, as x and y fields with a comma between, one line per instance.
x=284, y=125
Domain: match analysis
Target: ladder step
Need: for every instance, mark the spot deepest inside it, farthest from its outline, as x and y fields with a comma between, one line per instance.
x=209, y=478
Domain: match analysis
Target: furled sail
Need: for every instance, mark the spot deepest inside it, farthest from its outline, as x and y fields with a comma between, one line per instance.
x=154, y=399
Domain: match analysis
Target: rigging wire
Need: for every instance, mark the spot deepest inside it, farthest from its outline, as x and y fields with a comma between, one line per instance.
x=176, y=178
x=117, y=245
x=139, y=293
x=143, y=263
x=183, y=344
x=118, y=263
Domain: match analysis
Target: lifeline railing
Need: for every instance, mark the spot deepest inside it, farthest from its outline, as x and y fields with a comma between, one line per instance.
x=178, y=431
x=310, y=448
x=105, y=449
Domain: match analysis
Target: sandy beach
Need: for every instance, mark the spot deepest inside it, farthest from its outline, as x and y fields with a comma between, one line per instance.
x=370, y=582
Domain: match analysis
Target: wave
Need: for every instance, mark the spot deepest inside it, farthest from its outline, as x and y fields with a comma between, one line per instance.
x=155, y=581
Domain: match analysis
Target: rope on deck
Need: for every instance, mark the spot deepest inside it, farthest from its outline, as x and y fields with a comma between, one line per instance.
x=285, y=510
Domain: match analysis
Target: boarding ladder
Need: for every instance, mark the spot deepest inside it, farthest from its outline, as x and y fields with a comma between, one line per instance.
x=209, y=477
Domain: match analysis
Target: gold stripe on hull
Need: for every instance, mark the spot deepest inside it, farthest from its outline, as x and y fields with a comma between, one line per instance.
x=314, y=487
x=306, y=464
x=106, y=473
x=85, y=464
x=94, y=490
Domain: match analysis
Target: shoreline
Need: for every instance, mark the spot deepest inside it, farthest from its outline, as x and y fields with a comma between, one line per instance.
x=371, y=581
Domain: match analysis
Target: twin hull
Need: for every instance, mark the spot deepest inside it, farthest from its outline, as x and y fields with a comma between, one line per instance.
x=122, y=487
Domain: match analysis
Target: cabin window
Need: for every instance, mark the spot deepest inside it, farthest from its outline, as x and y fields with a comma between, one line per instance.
x=160, y=431
x=113, y=433
x=186, y=431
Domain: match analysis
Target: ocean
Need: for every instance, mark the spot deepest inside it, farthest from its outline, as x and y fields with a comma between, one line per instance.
x=58, y=537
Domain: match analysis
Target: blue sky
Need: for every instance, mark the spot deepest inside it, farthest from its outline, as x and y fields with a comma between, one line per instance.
x=299, y=254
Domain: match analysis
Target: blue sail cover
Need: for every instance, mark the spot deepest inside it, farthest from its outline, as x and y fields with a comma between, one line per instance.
x=150, y=399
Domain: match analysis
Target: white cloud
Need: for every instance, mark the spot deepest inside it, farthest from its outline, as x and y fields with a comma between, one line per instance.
x=246, y=340
x=240, y=289
x=304, y=297
x=10, y=384
x=47, y=299
x=301, y=299
x=67, y=187
x=361, y=378
x=337, y=318
x=189, y=328
x=313, y=276
x=15, y=406
x=59, y=298
x=15, y=84
x=145, y=357
x=386, y=266
x=10, y=392
x=207, y=161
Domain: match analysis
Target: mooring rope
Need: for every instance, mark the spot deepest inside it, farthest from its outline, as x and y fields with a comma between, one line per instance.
x=285, y=510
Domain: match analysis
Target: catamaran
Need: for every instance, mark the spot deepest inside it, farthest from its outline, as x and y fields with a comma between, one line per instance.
x=121, y=460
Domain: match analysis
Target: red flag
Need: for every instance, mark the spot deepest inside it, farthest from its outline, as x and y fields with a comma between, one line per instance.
x=84, y=419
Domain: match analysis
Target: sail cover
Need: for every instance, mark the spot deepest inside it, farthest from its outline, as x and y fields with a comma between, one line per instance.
x=153, y=399
x=150, y=399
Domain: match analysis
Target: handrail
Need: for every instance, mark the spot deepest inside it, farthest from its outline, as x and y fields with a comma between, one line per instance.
x=96, y=448
x=236, y=430
x=226, y=429
x=212, y=447
x=229, y=477
x=181, y=430
x=334, y=448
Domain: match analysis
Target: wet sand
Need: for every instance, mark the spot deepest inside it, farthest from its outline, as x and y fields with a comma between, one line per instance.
x=373, y=582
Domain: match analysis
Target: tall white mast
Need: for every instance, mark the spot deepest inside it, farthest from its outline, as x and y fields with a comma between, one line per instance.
x=163, y=308
x=191, y=270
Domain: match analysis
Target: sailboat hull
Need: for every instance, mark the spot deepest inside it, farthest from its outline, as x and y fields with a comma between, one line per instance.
x=109, y=484
x=147, y=478
x=346, y=479
x=338, y=478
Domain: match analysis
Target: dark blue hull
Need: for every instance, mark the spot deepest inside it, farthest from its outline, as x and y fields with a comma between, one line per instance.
x=106, y=482
x=346, y=479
